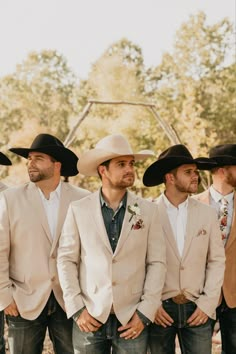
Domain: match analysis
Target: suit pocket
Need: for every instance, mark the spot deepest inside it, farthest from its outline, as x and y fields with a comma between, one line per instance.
x=18, y=282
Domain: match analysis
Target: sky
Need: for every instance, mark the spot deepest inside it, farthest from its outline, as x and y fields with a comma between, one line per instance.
x=82, y=30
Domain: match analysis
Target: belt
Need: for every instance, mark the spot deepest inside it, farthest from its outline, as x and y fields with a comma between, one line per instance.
x=180, y=299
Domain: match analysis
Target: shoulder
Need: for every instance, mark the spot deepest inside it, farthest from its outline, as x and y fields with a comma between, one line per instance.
x=201, y=196
x=200, y=206
x=75, y=189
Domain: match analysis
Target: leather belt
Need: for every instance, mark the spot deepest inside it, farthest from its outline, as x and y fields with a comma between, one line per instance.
x=180, y=299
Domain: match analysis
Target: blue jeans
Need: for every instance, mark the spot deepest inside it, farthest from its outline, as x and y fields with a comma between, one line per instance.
x=227, y=318
x=27, y=336
x=108, y=337
x=2, y=342
x=192, y=340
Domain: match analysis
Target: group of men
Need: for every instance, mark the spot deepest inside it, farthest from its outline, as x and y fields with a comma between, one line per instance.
x=109, y=270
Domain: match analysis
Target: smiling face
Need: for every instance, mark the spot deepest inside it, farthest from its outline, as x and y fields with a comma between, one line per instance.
x=119, y=174
x=41, y=166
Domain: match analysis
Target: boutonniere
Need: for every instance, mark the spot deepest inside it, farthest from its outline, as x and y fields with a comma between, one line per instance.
x=201, y=232
x=135, y=215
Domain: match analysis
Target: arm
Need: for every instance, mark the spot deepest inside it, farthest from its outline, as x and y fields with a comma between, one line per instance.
x=215, y=267
x=68, y=262
x=6, y=297
x=155, y=268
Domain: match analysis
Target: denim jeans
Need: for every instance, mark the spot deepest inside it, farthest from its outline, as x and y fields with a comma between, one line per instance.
x=227, y=318
x=27, y=336
x=2, y=342
x=192, y=340
x=108, y=337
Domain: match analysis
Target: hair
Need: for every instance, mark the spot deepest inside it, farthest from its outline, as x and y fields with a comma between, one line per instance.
x=106, y=164
x=174, y=172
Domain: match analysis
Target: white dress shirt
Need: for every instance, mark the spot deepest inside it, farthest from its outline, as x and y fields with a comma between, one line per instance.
x=178, y=220
x=51, y=207
x=215, y=201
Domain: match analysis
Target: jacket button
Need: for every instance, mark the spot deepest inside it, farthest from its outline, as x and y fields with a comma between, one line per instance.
x=53, y=278
x=181, y=268
x=114, y=283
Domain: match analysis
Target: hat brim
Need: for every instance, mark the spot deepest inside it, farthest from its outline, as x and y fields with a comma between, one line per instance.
x=90, y=160
x=224, y=160
x=67, y=158
x=4, y=160
x=155, y=173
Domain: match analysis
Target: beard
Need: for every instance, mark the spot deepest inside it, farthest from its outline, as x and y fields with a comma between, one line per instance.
x=126, y=182
x=37, y=176
x=230, y=179
x=190, y=188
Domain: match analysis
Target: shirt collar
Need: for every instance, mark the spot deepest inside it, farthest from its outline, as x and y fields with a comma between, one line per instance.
x=216, y=196
x=169, y=205
x=54, y=194
x=123, y=202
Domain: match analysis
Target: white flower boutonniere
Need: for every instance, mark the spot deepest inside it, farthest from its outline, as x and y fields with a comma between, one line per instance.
x=135, y=215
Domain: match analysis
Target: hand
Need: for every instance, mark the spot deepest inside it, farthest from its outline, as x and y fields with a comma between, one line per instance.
x=133, y=328
x=87, y=323
x=197, y=318
x=11, y=309
x=162, y=318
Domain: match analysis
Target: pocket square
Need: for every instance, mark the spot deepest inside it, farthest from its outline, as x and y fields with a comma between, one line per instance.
x=201, y=232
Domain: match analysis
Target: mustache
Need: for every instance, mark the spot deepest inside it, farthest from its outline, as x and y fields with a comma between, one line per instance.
x=129, y=175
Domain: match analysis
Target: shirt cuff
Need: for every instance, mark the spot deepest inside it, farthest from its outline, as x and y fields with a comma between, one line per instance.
x=143, y=318
x=77, y=314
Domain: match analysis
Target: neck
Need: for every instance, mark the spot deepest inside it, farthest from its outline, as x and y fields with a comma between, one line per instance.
x=48, y=186
x=113, y=196
x=176, y=197
x=222, y=187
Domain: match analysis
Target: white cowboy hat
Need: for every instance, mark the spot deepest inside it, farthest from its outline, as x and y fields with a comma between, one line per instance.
x=106, y=149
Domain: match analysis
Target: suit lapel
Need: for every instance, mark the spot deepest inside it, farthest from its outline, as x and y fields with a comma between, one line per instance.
x=36, y=203
x=191, y=225
x=232, y=235
x=167, y=226
x=63, y=207
x=127, y=225
x=94, y=208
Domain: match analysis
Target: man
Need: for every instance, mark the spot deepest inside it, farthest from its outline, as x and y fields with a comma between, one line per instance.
x=195, y=256
x=111, y=257
x=221, y=195
x=3, y=161
x=31, y=218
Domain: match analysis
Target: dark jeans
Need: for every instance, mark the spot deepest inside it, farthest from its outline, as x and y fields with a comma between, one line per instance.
x=227, y=318
x=108, y=337
x=2, y=342
x=192, y=340
x=27, y=336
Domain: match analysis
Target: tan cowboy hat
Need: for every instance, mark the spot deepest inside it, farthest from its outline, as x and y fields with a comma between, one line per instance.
x=106, y=149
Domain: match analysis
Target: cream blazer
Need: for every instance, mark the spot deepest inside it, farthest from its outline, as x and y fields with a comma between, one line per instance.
x=28, y=254
x=92, y=275
x=199, y=273
x=229, y=284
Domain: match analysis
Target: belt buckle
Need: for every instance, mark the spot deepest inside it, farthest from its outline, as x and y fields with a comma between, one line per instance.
x=180, y=299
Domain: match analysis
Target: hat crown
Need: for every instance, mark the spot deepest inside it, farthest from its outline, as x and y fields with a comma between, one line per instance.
x=223, y=150
x=178, y=150
x=43, y=140
x=116, y=144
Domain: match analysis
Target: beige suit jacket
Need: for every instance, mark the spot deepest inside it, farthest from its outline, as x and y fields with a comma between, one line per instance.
x=92, y=275
x=3, y=187
x=199, y=273
x=28, y=270
x=229, y=284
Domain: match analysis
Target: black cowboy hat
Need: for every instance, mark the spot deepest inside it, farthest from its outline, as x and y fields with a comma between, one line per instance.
x=223, y=155
x=171, y=158
x=4, y=160
x=50, y=145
